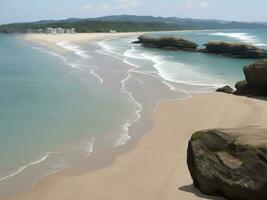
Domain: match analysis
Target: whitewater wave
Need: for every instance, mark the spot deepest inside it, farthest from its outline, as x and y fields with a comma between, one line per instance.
x=124, y=136
x=101, y=80
x=244, y=37
x=108, y=50
x=134, y=53
x=74, y=64
x=261, y=45
x=90, y=146
x=180, y=73
x=21, y=169
x=74, y=48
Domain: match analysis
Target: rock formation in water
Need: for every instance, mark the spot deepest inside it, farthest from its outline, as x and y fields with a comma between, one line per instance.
x=237, y=50
x=256, y=79
x=230, y=163
x=166, y=42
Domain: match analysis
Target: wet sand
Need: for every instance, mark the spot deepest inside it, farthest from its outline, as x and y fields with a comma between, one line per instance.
x=51, y=41
x=156, y=168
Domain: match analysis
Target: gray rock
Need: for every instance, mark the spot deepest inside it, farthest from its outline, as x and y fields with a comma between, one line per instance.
x=256, y=75
x=166, y=42
x=226, y=89
x=241, y=88
x=256, y=80
x=229, y=162
x=238, y=50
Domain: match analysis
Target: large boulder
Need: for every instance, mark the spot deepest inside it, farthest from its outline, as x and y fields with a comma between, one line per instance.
x=238, y=50
x=166, y=42
x=229, y=162
x=256, y=74
x=241, y=88
x=256, y=79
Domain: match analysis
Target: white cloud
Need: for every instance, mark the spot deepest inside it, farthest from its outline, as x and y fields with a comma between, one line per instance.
x=127, y=3
x=204, y=4
x=187, y=4
x=105, y=7
x=100, y=7
x=191, y=4
x=86, y=7
x=118, y=4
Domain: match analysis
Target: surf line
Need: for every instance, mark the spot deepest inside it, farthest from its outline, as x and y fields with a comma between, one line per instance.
x=124, y=137
x=26, y=166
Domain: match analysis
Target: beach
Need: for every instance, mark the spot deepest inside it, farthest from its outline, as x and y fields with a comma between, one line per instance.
x=52, y=40
x=150, y=165
x=156, y=167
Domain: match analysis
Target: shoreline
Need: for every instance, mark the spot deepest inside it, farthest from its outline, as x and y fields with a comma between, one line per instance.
x=52, y=41
x=136, y=161
x=151, y=169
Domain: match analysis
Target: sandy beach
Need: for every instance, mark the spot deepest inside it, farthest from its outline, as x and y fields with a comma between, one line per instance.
x=156, y=168
x=52, y=40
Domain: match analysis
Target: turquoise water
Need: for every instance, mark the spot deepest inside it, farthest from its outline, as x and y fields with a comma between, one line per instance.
x=58, y=107
x=209, y=71
x=46, y=105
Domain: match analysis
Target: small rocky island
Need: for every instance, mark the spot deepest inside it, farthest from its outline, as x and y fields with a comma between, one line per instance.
x=166, y=42
x=230, y=49
x=231, y=163
x=237, y=50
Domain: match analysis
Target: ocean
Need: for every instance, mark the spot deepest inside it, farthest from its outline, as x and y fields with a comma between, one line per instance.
x=61, y=110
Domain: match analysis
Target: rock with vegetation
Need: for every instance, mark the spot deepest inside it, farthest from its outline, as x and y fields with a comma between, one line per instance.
x=256, y=79
x=238, y=50
x=166, y=42
x=230, y=162
x=226, y=89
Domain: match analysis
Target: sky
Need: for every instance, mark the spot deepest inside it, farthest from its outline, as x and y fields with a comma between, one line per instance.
x=34, y=10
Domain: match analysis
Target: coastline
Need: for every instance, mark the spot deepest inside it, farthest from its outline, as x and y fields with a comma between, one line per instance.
x=156, y=167
x=51, y=41
x=145, y=168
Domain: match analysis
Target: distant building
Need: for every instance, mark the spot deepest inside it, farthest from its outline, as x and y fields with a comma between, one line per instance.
x=67, y=31
x=113, y=31
x=59, y=30
x=72, y=30
x=50, y=30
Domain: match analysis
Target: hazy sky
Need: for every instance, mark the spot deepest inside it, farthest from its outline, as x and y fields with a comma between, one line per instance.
x=31, y=10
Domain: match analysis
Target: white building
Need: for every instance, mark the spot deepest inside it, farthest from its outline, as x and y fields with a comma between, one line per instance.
x=59, y=30
x=72, y=30
x=50, y=30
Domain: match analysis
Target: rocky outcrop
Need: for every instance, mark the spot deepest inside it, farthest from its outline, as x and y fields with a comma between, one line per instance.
x=230, y=163
x=256, y=79
x=238, y=50
x=166, y=42
x=226, y=89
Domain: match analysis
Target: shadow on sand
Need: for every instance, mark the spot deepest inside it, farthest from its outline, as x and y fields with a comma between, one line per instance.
x=192, y=189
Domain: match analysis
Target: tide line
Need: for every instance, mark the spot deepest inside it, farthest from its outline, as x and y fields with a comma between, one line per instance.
x=21, y=169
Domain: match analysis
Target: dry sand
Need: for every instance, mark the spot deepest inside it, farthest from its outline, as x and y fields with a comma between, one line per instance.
x=156, y=168
x=51, y=40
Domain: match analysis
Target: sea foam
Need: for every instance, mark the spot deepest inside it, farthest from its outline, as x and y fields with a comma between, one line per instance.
x=244, y=37
x=74, y=48
x=21, y=169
